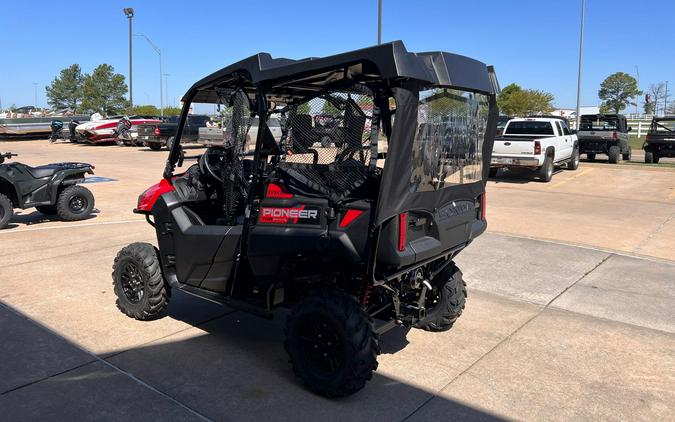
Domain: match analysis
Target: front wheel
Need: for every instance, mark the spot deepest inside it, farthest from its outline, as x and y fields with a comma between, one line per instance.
x=331, y=343
x=546, y=170
x=649, y=157
x=445, y=302
x=155, y=146
x=6, y=211
x=627, y=155
x=75, y=203
x=138, y=282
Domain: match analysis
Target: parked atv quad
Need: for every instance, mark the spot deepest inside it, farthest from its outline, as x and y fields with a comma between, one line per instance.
x=51, y=189
x=604, y=134
x=660, y=140
x=353, y=248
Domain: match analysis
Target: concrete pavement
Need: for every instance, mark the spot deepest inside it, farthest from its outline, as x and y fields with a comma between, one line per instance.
x=570, y=316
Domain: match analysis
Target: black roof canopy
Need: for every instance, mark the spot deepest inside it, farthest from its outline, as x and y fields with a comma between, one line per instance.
x=285, y=79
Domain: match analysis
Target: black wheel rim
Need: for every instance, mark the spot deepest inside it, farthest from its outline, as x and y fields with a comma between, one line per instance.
x=321, y=344
x=132, y=282
x=78, y=204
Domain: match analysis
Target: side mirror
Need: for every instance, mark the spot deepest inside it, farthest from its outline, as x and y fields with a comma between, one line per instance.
x=629, y=129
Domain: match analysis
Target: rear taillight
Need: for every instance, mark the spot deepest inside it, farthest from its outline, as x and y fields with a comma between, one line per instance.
x=537, y=147
x=156, y=131
x=615, y=135
x=402, y=230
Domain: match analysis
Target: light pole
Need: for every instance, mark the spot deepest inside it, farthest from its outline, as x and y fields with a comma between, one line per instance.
x=159, y=52
x=166, y=88
x=35, y=84
x=637, y=100
x=581, y=49
x=379, y=22
x=129, y=12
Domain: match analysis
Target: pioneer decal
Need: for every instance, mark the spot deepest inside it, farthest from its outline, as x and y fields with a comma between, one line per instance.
x=455, y=208
x=295, y=215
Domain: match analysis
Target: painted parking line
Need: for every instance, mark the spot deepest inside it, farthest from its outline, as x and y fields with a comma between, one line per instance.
x=562, y=182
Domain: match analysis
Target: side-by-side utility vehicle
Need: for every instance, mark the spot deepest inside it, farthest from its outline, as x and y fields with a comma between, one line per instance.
x=604, y=134
x=353, y=245
x=51, y=189
x=660, y=140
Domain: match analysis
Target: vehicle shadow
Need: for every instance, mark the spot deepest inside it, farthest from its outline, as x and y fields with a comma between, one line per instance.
x=519, y=176
x=32, y=217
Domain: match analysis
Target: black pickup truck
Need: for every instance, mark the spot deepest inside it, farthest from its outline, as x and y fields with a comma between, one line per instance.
x=660, y=140
x=157, y=135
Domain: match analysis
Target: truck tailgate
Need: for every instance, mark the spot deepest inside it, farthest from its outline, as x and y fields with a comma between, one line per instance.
x=513, y=146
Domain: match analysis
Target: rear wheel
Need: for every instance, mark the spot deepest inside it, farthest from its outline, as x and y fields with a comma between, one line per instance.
x=6, y=211
x=627, y=155
x=331, y=343
x=138, y=282
x=169, y=143
x=493, y=172
x=75, y=203
x=614, y=154
x=445, y=302
x=546, y=170
x=649, y=157
x=155, y=146
x=590, y=155
x=573, y=163
x=46, y=209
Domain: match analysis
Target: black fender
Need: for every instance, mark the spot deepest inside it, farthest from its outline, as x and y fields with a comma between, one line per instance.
x=65, y=178
x=8, y=189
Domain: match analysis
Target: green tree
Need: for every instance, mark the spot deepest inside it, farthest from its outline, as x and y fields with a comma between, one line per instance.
x=145, y=110
x=65, y=91
x=330, y=109
x=172, y=111
x=516, y=101
x=104, y=91
x=617, y=90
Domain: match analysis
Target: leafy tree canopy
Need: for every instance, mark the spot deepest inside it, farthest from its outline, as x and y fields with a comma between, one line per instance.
x=104, y=91
x=516, y=101
x=617, y=90
x=145, y=110
x=65, y=91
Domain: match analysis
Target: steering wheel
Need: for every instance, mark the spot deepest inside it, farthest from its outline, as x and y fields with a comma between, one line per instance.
x=208, y=168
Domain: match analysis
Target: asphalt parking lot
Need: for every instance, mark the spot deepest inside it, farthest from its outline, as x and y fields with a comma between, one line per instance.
x=571, y=314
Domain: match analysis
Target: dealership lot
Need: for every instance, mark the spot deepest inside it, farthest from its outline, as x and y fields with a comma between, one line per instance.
x=571, y=314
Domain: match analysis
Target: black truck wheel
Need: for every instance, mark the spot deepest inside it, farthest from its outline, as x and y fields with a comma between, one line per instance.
x=46, y=209
x=138, y=282
x=169, y=143
x=573, y=163
x=492, y=174
x=445, y=302
x=155, y=146
x=6, y=211
x=331, y=343
x=649, y=157
x=627, y=155
x=614, y=154
x=75, y=203
x=590, y=156
x=546, y=170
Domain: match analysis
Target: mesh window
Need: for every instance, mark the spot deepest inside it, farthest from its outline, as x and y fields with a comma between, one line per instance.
x=327, y=140
x=448, y=144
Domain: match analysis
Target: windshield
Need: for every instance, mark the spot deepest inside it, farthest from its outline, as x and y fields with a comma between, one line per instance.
x=662, y=127
x=529, y=127
x=599, y=123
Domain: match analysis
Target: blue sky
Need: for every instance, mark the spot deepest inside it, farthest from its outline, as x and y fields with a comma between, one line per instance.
x=533, y=43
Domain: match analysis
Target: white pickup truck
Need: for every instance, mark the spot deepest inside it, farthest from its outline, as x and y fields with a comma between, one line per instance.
x=539, y=143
